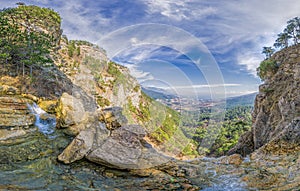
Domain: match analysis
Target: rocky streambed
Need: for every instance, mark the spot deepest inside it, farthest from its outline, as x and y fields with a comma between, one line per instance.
x=109, y=154
x=30, y=163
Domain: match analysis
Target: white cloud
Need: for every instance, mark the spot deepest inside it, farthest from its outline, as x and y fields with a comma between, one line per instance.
x=199, y=86
x=247, y=26
x=79, y=21
x=250, y=62
x=179, y=10
x=238, y=93
x=139, y=74
x=242, y=26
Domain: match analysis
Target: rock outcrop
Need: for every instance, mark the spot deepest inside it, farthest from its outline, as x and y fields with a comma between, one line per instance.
x=276, y=105
x=15, y=116
x=119, y=146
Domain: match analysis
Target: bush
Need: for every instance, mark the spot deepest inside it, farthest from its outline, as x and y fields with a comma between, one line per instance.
x=266, y=68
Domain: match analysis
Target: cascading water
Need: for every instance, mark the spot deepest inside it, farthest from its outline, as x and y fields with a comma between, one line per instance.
x=44, y=121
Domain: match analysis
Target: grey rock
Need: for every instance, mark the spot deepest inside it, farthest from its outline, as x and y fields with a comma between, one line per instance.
x=123, y=149
x=113, y=117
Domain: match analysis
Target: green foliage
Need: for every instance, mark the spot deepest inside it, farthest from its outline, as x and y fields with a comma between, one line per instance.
x=282, y=41
x=83, y=42
x=78, y=51
x=136, y=88
x=160, y=121
x=266, y=67
x=293, y=29
x=102, y=102
x=21, y=43
x=213, y=137
x=95, y=65
x=71, y=48
x=268, y=51
x=290, y=34
x=113, y=70
x=35, y=14
x=190, y=150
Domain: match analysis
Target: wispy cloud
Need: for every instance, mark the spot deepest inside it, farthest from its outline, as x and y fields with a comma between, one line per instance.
x=199, y=86
x=179, y=10
x=226, y=26
x=141, y=75
x=250, y=62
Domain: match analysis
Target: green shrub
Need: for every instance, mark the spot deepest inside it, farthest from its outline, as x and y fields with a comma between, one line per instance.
x=71, y=49
x=102, y=102
x=266, y=68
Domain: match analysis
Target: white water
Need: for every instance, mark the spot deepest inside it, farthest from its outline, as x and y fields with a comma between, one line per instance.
x=47, y=127
x=227, y=183
x=224, y=182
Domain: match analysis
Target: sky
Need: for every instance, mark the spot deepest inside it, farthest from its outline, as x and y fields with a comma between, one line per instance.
x=188, y=46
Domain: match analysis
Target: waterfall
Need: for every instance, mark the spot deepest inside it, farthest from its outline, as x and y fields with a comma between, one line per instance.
x=45, y=122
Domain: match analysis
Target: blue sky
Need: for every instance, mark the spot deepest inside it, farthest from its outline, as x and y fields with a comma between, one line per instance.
x=232, y=31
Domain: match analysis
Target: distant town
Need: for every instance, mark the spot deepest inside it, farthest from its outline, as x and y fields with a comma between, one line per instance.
x=186, y=104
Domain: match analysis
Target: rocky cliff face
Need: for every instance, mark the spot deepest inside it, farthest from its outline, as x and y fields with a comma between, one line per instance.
x=99, y=83
x=277, y=106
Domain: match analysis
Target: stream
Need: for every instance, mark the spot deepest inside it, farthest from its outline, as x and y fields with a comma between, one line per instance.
x=30, y=163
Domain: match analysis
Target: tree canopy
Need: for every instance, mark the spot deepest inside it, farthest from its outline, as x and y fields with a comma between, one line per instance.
x=23, y=39
x=289, y=37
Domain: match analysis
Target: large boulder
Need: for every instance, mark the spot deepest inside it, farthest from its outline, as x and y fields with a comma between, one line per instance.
x=75, y=112
x=70, y=111
x=125, y=148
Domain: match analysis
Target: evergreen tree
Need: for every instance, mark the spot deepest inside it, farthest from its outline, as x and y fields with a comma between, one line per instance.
x=282, y=41
x=21, y=41
x=293, y=29
x=268, y=51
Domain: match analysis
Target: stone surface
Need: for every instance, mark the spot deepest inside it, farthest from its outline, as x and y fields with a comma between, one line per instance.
x=48, y=105
x=75, y=112
x=9, y=90
x=14, y=112
x=113, y=117
x=123, y=149
x=70, y=110
x=235, y=159
x=16, y=119
x=9, y=135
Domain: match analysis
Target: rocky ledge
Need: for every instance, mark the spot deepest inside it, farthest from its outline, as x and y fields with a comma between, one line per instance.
x=15, y=116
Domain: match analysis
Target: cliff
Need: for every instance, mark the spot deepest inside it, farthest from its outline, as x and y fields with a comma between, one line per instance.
x=277, y=107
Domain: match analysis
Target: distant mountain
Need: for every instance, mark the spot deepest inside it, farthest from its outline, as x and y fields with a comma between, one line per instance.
x=157, y=93
x=243, y=100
